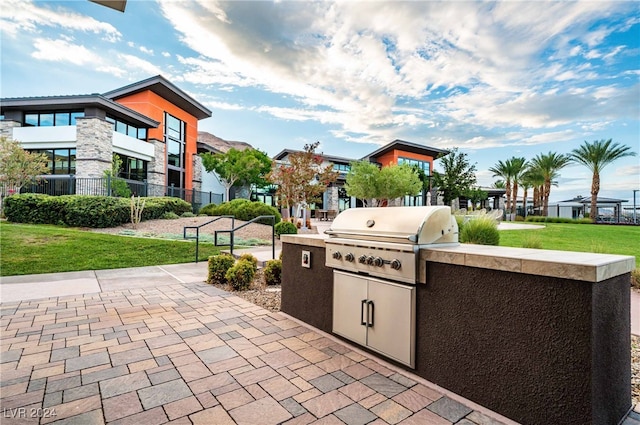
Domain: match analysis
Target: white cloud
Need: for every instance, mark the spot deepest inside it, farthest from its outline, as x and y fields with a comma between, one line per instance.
x=23, y=15
x=629, y=170
x=63, y=51
x=356, y=59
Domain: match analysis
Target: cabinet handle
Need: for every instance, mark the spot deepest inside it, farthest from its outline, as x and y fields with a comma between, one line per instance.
x=362, y=320
x=370, y=303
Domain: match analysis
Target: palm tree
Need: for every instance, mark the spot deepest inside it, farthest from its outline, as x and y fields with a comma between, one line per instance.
x=549, y=165
x=534, y=178
x=503, y=170
x=595, y=156
x=518, y=166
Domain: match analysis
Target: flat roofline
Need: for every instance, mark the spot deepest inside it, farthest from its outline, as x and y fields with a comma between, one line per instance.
x=53, y=103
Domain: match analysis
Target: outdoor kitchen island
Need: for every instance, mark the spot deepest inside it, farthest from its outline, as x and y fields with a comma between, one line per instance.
x=538, y=336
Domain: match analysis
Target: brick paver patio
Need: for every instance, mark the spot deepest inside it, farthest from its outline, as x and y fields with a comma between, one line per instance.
x=188, y=353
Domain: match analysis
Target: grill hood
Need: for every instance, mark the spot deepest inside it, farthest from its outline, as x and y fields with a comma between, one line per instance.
x=409, y=225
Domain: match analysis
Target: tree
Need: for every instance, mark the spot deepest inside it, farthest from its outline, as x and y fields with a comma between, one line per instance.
x=504, y=171
x=458, y=175
x=475, y=195
x=303, y=179
x=19, y=167
x=548, y=165
x=529, y=179
x=518, y=166
x=367, y=181
x=116, y=185
x=238, y=167
x=595, y=156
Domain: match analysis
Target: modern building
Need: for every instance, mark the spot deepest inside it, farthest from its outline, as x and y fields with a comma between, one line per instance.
x=151, y=124
x=609, y=209
x=335, y=197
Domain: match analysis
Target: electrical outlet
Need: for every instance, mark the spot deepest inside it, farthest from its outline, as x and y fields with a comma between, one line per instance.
x=306, y=259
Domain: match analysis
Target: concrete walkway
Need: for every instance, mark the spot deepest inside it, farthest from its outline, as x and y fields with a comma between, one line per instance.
x=157, y=345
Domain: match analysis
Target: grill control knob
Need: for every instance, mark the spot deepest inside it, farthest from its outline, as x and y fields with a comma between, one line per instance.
x=378, y=262
x=336, y=255
x=362, y=259
x=396, y=264
x=370, y=260
x=349, y=257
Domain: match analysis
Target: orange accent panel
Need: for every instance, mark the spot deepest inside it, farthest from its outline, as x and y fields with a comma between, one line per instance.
x=391, y=158
x=153, y=106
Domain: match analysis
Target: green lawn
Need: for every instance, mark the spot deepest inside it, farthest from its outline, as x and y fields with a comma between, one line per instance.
x=607, y=239
x=31, y=249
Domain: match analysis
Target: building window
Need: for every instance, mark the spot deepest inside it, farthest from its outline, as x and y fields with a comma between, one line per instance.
x=133, y=168
x=59, y=161
x=423, y=165
x=344, y=168
x=174, y=137
x=49, y=119
x=120, y=126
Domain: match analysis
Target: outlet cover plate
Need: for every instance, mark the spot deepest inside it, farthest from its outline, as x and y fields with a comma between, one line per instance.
x=306, y=259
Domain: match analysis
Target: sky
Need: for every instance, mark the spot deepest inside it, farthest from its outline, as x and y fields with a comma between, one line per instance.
x=495, y=79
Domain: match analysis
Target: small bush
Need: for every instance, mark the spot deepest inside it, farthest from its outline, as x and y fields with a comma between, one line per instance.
x=273, y=272
x=461, y=222
x=481, y=231
x=285, y=228
x=250, y=258
x=240, y=275
x=243, y=209
x=532, y=241
x=218, y=267
x=155, y=207
x=169, y=215
x=207, y=209
x=187, y=214
x=519, y=218
x=542, y=219
x=635, y=279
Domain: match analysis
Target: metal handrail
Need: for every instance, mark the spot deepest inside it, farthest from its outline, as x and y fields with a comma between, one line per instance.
x=232, y=232
x=197, y=237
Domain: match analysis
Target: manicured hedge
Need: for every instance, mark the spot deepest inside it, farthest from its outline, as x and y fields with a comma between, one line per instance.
x=541, y=219
x=85, y=210
x=242, y=209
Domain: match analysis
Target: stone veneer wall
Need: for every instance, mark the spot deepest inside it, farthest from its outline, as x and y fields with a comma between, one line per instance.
x=94, y=147
x=6, y=128
x=197, y=173
x=332, y=198
x=156, y=176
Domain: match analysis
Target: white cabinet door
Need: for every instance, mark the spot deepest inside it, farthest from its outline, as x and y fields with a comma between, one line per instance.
x=349, y=306
x=392, y=313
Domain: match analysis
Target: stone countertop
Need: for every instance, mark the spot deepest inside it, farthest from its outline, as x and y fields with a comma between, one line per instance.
x=582, y=266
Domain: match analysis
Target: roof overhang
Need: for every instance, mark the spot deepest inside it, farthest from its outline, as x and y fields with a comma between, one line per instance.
x=165, y=89
x=118, y=5
x=53, y=103
x=405, y=146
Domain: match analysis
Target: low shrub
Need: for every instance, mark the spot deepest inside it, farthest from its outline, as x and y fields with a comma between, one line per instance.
x=250, y=258
x=207, y=209
x=285, y=228
x=519, y=218
x=169, y=215
x=85, y=210
x=273, y=272
x=187, y=214
x=218, y=267
x=240, y=275
x=482, y=230
x=96, y=211
x=635, y=279
x=460, y=220
x=243, y=209
x=155, y=207
x=542, y=219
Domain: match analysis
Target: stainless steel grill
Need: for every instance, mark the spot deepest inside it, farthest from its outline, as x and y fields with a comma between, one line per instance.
x=385, y=242
x=370, y=243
